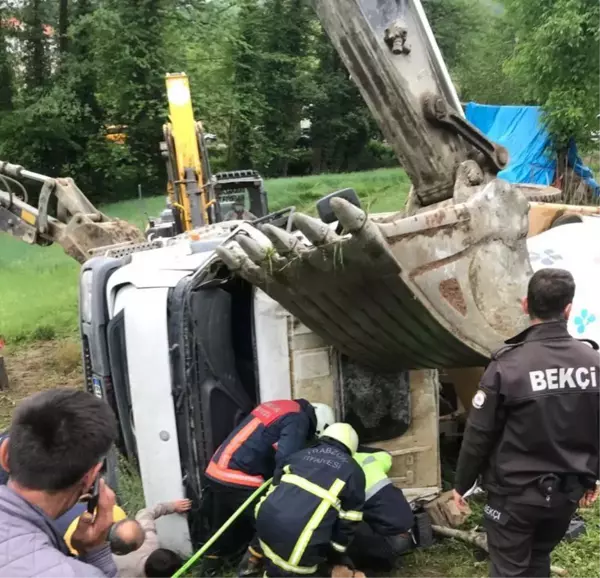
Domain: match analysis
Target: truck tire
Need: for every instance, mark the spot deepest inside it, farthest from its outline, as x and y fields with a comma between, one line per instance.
x=543, y=195
x=566, y=219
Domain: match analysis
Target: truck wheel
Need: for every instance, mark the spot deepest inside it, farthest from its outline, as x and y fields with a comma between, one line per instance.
x=566, y=219
x=543, y=195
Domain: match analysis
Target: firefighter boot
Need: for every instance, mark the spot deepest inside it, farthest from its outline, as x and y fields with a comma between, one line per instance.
x=212, y=566
x=251, y=565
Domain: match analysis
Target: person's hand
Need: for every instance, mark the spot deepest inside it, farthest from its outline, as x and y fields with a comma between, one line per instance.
x=589, y=497
x=92, y=531
x=181, y=506
x=459, y=501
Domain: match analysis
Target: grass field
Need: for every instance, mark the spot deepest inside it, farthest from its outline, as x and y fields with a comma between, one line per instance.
x=38, y=286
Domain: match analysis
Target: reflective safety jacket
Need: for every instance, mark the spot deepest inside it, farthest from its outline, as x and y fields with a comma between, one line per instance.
x=312, y=508
x=386, y=509
x=271, y=432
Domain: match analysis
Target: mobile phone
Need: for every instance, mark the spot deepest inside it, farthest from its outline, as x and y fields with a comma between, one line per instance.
x=93, y=501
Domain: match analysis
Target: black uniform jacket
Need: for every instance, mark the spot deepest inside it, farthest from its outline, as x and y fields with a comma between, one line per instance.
x=536, y=412
x=388, y=513
x=292, y=519
x=273, y=431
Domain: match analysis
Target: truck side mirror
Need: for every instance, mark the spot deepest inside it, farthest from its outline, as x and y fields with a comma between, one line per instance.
x=326, y=214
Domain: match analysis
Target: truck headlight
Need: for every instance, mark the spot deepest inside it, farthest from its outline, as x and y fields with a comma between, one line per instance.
x=85, y=296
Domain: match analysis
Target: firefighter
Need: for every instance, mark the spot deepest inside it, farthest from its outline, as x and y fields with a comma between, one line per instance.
x=265, y=439
x=310, y=514
x=532, y=432
x=385, y=532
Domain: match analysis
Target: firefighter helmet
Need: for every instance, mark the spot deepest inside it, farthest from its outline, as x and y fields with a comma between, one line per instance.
x=343, y=433
x=325, y=416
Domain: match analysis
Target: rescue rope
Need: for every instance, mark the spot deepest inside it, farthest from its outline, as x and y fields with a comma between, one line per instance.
x=220, y=531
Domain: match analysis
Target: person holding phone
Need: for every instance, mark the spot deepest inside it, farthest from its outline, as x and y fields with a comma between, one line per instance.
x=58, y=440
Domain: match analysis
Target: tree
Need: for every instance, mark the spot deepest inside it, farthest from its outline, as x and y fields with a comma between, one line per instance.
x=556, y=60
x=245, y=136
x=341, y=124
x=35, y=37
x=63, y=26
x=130, y=62
x=6, y=76
x=284, y=79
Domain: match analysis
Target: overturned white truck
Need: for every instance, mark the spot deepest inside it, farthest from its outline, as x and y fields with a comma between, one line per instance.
x=368, y=313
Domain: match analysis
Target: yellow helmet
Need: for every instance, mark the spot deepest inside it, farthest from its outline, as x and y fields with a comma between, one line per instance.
x=343, y=433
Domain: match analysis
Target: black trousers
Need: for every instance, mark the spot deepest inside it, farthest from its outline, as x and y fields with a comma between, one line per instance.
x=522, y=536
x=224, y=501
x=372, y=551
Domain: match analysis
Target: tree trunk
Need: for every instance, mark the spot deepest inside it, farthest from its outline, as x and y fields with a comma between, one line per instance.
x=63, y=27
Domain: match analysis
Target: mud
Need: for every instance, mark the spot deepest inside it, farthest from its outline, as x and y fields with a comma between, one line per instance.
x=451, y=292
x=36, y=367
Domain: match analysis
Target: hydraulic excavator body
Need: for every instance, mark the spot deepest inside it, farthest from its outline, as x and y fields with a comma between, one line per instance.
x=375, y=314
x=196, y=197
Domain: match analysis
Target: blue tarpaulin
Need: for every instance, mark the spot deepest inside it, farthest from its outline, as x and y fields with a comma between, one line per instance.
x=521, y=131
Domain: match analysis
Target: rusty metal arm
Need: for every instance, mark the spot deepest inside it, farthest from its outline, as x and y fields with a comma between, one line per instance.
x=77, y=225
x=392, y=56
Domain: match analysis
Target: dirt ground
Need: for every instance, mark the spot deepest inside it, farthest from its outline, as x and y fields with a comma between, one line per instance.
x=41, y=365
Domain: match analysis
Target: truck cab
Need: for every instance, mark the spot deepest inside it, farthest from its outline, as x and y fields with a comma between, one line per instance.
x=183, y=350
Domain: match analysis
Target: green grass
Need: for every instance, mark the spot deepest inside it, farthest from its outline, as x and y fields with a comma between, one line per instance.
x=38, y=286
x=448, y=557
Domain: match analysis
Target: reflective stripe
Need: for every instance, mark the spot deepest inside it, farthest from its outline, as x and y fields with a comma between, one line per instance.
x=351, y=515
x=233, y=476
x=311, y=488
x=316, y=518
x=237, y=441
x=287, y=566
x=369, y=460
x=318, y=491
x=338, y=547
x=259, y=503
x=376, y=487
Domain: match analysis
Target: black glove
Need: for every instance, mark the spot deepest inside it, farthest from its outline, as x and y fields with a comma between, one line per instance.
x=336, y=558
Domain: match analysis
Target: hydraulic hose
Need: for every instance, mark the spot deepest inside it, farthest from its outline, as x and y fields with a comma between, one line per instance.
x=220, y=531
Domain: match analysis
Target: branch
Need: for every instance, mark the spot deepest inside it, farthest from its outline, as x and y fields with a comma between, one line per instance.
x=479, y=539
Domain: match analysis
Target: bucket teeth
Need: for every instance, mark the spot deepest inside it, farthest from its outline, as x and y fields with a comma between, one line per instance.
x=314, y=230
x=233, y=261
x=283, y=242
x=239, y=263
x=256, y=253
x=351, y=217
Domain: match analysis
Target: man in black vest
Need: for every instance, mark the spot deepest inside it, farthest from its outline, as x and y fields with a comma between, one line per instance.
x=533, y=432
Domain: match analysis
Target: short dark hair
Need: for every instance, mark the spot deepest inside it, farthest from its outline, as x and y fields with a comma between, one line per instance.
x=162, y=563
x=549, y=292
x=58, y=435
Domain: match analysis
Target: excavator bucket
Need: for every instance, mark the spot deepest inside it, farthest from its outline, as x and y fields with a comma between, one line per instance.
x=77, y=225
x=440, y=289
x=82, y=238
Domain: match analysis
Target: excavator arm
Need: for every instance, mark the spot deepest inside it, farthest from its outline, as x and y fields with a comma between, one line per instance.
x=437, y=284
x=391, y=54
x=76, y=224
